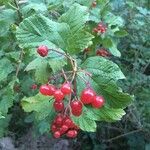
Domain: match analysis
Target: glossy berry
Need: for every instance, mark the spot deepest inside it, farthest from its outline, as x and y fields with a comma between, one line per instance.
x=76, y=105
x=77, y=113
x=42, y=50
x=64, y=128
x=59, y=121
x=102, y=52
x=44, y=89
x=59, y=106
x=66, y=88
x=87, y=96
x=98, y=102
x=57, y=134
x=67, y=122
x=71, y=133
x=58, y=95
x=52, y=90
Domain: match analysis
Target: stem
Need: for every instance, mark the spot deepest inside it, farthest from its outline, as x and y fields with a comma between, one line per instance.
x=122, y=135
x=18, y=10
x=20, y=61
x=63, y=72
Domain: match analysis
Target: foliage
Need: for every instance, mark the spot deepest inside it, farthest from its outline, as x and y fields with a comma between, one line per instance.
x=67, y=27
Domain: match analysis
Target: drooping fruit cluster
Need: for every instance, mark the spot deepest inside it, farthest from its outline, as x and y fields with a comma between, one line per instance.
x=101, y=28
x=42, y=50
x=102, y=52
x=63, y=125
x=88, y=96
x=57, y=93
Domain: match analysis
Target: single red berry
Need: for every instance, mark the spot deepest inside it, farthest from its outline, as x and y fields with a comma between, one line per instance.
x=98, y=102
x=42, y=50
x=65, y=128
x=87, y=96
x=76, y=105
x=34, y=87
x=52, y=90
x=57, y=134
x=102, y=52
x=44, y=89
x=77, y=113
x=94, y=4
x=53, y=128
x=58, y=120
x=59, y=106
x=58, y=95
x=71, y=133
x=68, y=122
x=66, y=88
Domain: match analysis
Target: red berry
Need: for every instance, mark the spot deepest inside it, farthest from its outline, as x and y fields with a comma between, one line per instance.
x=77, y=113
x=71, y=133
x=44, y=89
x=87, y=96
x=42, y=50
x=102, y=52
x=58, y=95
x=53, y=128
x=34, y=87
x=58, y=120
x=66, y=88
x=59, y=106
x=68, y=122
x=57, y=134
x=76, y=105
x=64, y=128
x=98, y=102
x=51, y=90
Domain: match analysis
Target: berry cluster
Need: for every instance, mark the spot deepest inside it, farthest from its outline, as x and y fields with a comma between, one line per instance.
x=102, y=52
x=57, y=93
x=88, y=96
x=101, y=28
x=63, y=125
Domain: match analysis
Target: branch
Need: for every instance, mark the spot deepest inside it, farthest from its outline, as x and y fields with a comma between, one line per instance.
x=122, y=135
x=20, y=61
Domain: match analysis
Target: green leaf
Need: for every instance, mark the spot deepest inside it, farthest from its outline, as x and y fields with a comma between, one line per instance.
x=105, y=114
x=7, y=17
x=36, y=30
x=103, y=68
x=5, y=71
x=78, y=42
x=107, y=42
x=121, y=33
x=1, y=116
x=85, y=123
x=41, y=105
x=6, y=103
x=104, y=75
x=40, y=66
x=75, y=17
x=114, y=51
x=56, y=61
x=44, y=127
